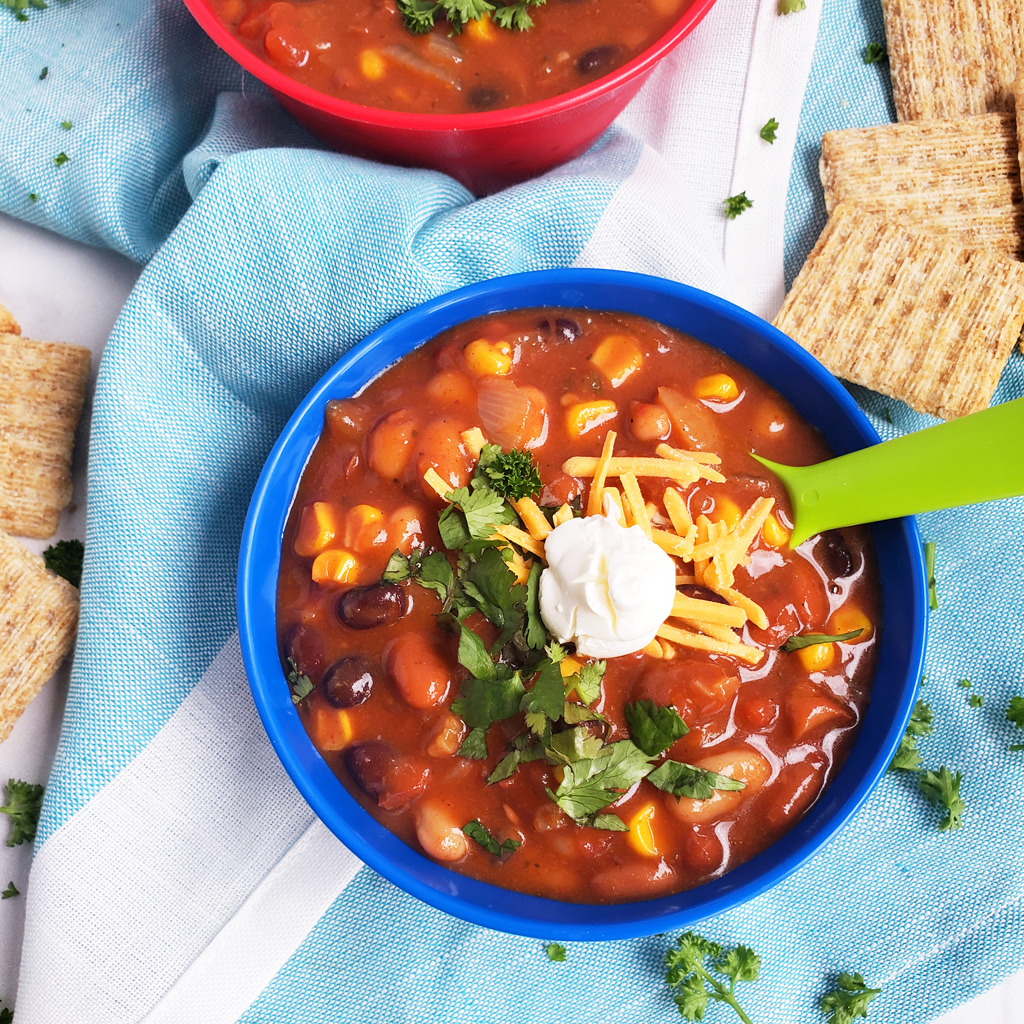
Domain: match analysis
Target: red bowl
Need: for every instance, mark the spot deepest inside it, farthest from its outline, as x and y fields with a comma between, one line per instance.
x=487, y=151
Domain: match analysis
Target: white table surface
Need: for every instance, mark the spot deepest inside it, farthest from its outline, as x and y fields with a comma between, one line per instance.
x=62, y=291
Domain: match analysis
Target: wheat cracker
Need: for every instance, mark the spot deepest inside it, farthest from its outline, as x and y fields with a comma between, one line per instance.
x=43, y=392
x=38, y=619
x=906, y=313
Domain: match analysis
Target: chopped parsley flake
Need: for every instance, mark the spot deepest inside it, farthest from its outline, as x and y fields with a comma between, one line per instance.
x=512, y=474
x=11, y=890
x=555, y=952
x=66, y=125
x=43, y=73
x=849, y=999
x=768, y=131
x=61, y=159
x=301, y=684
x=33, y=197
x=791, y=6
x=735, y=205
x=24, y=802
x=873, y=53
x=691, y=969
x=975, y=700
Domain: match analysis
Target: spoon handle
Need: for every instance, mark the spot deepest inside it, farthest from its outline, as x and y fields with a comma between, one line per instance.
x=979, y=457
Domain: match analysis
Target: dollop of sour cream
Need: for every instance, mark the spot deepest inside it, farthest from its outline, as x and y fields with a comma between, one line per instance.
x=606, y=587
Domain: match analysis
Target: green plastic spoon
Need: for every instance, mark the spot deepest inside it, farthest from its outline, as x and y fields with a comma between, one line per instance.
x=975, y=458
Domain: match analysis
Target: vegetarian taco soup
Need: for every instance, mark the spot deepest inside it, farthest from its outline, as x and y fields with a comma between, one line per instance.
x=538, y=610
x=447, y=56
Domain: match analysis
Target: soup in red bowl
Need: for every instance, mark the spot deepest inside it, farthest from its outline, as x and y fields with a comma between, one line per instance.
x=481, y=98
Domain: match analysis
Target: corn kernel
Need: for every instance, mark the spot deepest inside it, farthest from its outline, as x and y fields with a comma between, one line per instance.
x=371, y=65
x=330, y=728
x=719, y=387
x=816, y=657
x=583, y=417
x=618, y=357
x=480, y=28
x=334, y=566
x=773, y=533
x=846, y=620
x=319, y=525
x=364, y=528
x=727, y=511
x=569, y=666
x=488, y=358
x=641, y=835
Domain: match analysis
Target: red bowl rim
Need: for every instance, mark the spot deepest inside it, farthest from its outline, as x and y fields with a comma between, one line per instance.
x=378, y=116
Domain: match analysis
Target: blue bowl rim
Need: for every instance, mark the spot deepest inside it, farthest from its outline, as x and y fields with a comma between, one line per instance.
x=448, y=891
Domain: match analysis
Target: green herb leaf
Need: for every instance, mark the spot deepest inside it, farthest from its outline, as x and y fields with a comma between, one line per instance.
x=544, y=701
x=474, y=746
x=591, y=784
x=489, y=582
x=513, y=474
x=794, y=643
x=907, y=757
x=66, y=125
x=516, y=15
x=482, y=702
x=11, y=890
x=964, y=684
x=608, y=822
x=1015, y=712
x=300, y=683
x=849, y=1000
x=587, y=682
x=43, y=73
x=536, y=631
x=942, y=788
x=735, y=205
x=6, y=1015
x=33, y=197
x=690, y=971
x=768, y=131
x=791, y=6
x=688, y=780
x=929, y=570
x=525, y=748
x=473, y=655
x=654, y=728
x=570, y=745
x=479, y=834
x=24, y=800
x=975, y=700
x=873, y=53
x=61, y=159
x=65, y=559
x=555, y=952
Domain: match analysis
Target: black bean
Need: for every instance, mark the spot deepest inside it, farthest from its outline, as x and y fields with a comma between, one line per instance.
x=835, y=555
x=699, y=593
x=305, y=647
x=598, y=60
x=368, y=764
x=563, y=330
x=349, y=682
x=379, y=604
x=485, y=97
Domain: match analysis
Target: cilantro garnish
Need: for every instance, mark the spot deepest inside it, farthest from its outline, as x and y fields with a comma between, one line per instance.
x=479, y=834
x=301, y=684
x=420, y=15
x=11, y=890
x=555, y=952
x=907, y=757
x=587, y=682
x=1015, y=712
x=512, y=474
x=849, y=1000
x=690, y=971
x=768, y=131
x=654, y=728
x=681, y=779
x=18, y=9
x=590, y=784
x=24, y=802
x=61, y=159
x=794, y=643
x=942, y=788
x=929, y=569
x=735, y=205
x=874, y=52
x=65, y=559
x=791, y=6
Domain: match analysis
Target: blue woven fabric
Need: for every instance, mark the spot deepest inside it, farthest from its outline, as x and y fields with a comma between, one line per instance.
x=284, y=256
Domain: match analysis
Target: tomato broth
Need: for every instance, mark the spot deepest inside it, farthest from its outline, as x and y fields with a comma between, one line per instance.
x=364, y=52
x=382, y=666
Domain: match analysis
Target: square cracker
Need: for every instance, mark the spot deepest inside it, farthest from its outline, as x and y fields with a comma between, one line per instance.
x=8, y=325
x=44, y=390
x=907, y=314
x=960, y=178
x=38, y=619
x=949, y=58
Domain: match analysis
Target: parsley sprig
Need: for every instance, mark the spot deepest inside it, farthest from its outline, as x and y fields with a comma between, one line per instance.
x=420, y=16
x=1015, y=715
x=907, y=757
x=849, y=1000
x=65, y=559
x=735, y=205
x=691, y=971
x=942, y=788
x=24, y=800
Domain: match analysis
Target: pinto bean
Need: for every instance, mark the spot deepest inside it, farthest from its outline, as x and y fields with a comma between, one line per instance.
x=418, y=670
x=379, y=604
x=438, y=832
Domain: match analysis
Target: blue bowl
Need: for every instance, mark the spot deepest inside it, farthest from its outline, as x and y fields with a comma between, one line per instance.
x=815, y=393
